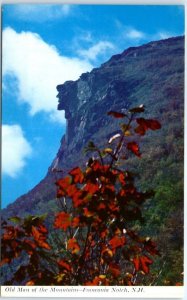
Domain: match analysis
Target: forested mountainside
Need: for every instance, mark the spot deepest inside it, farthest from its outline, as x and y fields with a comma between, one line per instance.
x=153, y=75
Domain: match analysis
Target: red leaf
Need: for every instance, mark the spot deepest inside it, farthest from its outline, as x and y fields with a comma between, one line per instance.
x=136, y=262
x=75, y=222
x=35, y=233
x=114, y=269
x=142, y=122
x=101, y=206
x=145, y=124
x=153, y=124
x=121, y=177
x=64, y=183
x=104, y=234
x=113, y=207
x=30, y=243
x=116, y=242
x=91, y=188
x=150, y=246
x=10, y=233
x=140, y=130
x=142, y=263
x=88, y=213
x=145, y=262
x=116, y=114
x=14, y=244
x=77, y=199
x=60, y=193
x=62, y=220
x=96, y=166
x=108, y=188
x=77, y=174
x=40, y=238
x=107, y=253
x=72, y=190
x=30, y=282
x=64, y=265
x=4, y=261
x=42, y=229
x=44, y=245
x=94, y=282
x=133, y=146
x=98, y=280
x=73, y=246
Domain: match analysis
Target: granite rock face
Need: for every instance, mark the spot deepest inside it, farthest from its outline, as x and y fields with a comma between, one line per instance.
x=152, y=74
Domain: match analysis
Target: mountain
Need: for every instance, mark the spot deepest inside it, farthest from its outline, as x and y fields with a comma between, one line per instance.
x=153, y=75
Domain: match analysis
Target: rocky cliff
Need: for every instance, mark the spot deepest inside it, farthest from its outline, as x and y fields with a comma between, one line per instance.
x=152, y=74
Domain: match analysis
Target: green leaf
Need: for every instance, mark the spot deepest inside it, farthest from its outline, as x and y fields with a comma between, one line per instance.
x=43, y=217
x=15, y=219
x=125, y=128
x=90, y=147
x=34, y=220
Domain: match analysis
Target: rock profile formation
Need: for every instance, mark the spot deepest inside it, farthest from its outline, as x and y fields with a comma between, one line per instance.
x=152, y=74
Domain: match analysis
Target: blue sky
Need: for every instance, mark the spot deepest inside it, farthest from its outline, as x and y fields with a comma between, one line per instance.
x=45, y=45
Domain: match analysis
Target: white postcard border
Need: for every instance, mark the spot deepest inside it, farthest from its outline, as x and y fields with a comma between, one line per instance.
x=136, y=292
x=148, y=292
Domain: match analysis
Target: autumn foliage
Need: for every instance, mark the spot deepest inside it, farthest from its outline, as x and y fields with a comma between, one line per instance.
x=98, y=244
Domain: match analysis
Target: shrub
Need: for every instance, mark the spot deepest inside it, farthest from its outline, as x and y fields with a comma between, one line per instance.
x=96, y=240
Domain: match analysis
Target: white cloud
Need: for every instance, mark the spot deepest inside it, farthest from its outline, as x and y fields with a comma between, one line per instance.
x=86, y=36
x=40, y=12
x=163, y=35
x=94, y=51
x=134, y=34
x=129, y=32
x=38, y=68
x=15, y=150
x=66, y=9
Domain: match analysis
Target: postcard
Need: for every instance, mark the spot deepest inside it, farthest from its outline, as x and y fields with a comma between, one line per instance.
x=92, y=150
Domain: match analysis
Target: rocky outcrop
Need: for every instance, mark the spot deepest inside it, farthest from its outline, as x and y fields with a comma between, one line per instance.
x=152, y=74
